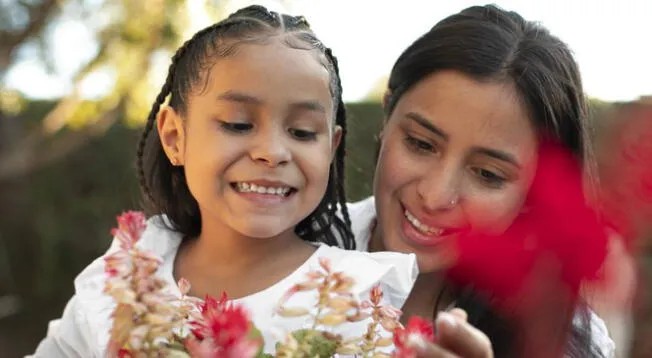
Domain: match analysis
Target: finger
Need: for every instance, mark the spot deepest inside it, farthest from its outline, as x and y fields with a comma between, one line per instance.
x=459, y=313
x=461, y=338
x=425, y=349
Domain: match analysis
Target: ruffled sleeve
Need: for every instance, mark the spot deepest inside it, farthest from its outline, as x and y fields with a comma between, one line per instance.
x=83, y=329
x=394, y=272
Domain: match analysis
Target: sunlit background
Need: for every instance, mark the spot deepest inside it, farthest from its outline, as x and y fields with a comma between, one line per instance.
x=77, y=78
x=610, y=40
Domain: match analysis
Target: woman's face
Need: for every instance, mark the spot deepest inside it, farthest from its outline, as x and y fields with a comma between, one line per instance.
x=457, y=156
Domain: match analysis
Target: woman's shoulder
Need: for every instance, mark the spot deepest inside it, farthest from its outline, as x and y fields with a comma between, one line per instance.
x=362, y=214
x=363, y=208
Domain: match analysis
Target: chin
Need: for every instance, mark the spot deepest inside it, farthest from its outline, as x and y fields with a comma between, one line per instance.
x=262, y=232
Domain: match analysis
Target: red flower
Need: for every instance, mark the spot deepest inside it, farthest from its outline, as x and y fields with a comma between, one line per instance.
x=124, y=353
x=417, y=329
x=131, y=225
x=559, y=229
x=223, y=331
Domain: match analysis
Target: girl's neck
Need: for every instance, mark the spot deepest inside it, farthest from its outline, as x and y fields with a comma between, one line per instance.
x=221, y=259
x=219, y=244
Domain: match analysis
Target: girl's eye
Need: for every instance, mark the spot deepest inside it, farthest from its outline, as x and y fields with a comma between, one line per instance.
x=302, y=135
x=418, y=145
x=490, y=178
x=236, y=127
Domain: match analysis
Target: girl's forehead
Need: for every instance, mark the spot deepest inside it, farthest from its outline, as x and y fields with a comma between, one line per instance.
x=270, y=70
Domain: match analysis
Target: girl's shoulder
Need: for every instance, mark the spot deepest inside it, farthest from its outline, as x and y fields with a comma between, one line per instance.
x=93, y=307
x=394, y=272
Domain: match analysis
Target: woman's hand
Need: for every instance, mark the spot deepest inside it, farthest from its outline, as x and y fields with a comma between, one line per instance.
x=455, y=338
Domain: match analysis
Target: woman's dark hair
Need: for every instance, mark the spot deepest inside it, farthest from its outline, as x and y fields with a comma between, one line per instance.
x=164, y=186
x=487, y=43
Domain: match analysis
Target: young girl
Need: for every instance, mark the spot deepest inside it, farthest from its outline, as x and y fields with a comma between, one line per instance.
x=243, y=171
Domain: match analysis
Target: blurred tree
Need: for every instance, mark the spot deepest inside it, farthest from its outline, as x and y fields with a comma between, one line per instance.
x=377, y=90
x=128, y=34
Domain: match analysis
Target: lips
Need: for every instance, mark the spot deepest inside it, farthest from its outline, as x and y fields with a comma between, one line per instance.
x=423, y=234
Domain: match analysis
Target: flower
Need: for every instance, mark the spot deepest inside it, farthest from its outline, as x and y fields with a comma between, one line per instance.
x=145, y=316
x=131, y=225
x=417, y=330
x=222, y=331
x=558, y=227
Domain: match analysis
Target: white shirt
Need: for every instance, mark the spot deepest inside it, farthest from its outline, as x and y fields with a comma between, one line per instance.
x=83, y=329
x=363, y=215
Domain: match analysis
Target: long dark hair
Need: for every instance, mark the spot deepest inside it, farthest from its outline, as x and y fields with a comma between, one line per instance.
x=491, y=44
x=164, y=186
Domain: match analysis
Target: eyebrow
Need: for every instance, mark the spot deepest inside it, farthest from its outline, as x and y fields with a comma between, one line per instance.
x=497, y=154
x=238, y=97
x=423, y=122
x=231, y=96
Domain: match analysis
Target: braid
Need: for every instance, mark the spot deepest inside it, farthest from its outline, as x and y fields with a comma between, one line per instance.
x=340, y=153
x=148, y=128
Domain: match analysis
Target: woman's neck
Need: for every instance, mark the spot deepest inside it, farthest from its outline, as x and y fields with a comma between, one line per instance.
x=429, y=293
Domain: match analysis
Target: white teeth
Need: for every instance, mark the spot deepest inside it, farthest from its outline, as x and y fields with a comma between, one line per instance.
x=420, y=226
x=253, y=188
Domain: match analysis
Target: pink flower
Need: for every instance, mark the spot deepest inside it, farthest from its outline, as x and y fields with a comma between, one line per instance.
x=131, y=225
x=417, y=329
x=208, y=349
x=222, y=332
x=124, y=353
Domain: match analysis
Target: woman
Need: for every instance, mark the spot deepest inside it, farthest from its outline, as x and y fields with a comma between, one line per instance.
x=466, y=107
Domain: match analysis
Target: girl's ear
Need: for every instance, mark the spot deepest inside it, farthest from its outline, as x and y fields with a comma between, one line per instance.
x=172, y=135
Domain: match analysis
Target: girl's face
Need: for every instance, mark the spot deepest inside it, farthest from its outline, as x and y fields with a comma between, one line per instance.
x=257, y=141
x=457, y=155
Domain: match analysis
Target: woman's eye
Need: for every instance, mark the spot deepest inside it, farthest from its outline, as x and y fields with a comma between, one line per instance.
x=236, y=127
x=490, y=178
x=303, y=135
x=419, y=145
